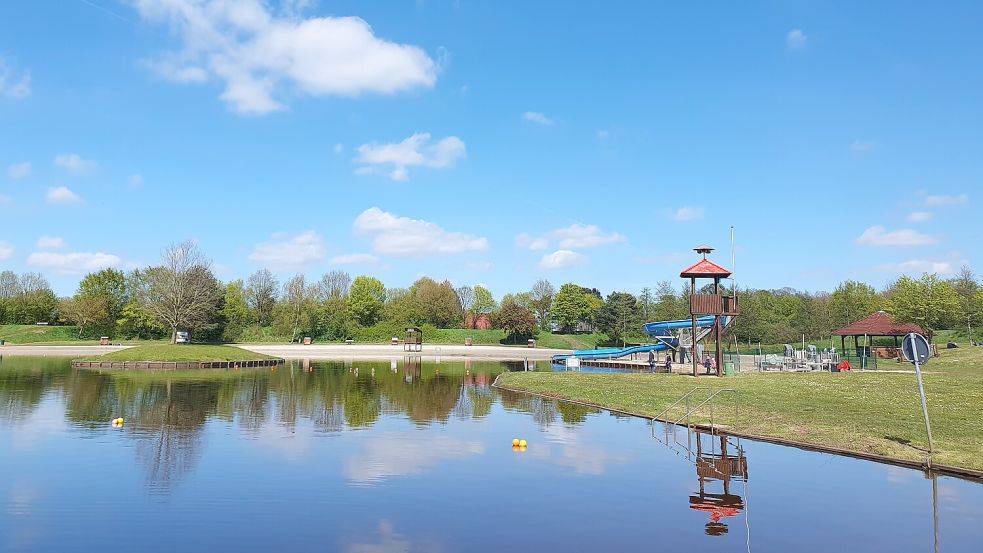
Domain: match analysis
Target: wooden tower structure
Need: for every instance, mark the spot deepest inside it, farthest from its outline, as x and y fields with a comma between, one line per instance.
x=715, y=304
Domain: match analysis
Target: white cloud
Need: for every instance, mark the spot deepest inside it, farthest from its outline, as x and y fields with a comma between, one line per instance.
x=257, y=53
x=944, y=267
x=73, y=262
x=355, y=259
x=527, y=241
x=919, y=216
x=862, y=147
x=51, y=243
x=396, y=235
x=62, y=195
x=19, y=170
x=688, y=214
x=796, y=39
x=75, y=164
x=879, y=236
x=561, y=259
x=961, y=199
x=11, y=85
x=135, y=181
x=415, y=151
x=6, y=251
x=585, y=236
x=284, y=250
x=537, y=117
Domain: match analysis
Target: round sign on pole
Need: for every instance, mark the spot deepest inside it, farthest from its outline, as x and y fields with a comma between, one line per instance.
x=915, y=349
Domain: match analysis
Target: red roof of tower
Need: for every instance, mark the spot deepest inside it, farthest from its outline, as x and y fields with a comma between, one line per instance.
x=705, y=269
x=878, y=324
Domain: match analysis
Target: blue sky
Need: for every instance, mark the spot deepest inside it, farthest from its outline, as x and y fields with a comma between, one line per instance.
x=493, y=142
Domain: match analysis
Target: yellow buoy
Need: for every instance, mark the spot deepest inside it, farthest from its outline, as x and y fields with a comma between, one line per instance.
x=515, y=448
x=120, y=421
x=515, y=441
x=522, y=443
x=522, y=448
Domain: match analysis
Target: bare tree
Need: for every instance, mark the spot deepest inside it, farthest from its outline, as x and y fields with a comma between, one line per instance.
x=541, y=297
x=334, y=284
x=181, y=292
x=465, y=296
x=9, y=285
x=294, y=300
x=261, y=295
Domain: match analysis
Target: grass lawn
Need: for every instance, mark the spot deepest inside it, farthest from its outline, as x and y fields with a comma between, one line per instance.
x=180, y=352
x=873, y=412
x=55, y=335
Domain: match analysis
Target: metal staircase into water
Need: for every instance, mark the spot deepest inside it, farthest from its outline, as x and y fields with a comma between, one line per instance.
x=707, y=402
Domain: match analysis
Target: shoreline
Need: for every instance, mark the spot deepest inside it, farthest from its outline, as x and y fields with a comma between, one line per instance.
x=320, y=351
x=947, y=470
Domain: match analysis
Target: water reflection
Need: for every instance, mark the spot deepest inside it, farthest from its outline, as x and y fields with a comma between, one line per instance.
x=720, y=464
x=408, y=455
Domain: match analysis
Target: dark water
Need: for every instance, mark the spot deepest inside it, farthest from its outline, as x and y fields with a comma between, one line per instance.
x=321, y=457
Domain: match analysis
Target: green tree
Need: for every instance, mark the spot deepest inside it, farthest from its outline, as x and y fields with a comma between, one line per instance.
x=929, y=302
x=667, y=305
x=438, y=302
x=968, y=288
x=618, y=316
x=137, y=322
x=110, y=286
x=35, y=301
x=573, y=305
x=86, y=312
x=235, y=311
x=852, y=301
x=515, y=320
x=365, y=299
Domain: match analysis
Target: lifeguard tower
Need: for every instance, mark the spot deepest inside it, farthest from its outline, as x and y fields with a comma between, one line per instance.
x=413, y=340
x=715, y=304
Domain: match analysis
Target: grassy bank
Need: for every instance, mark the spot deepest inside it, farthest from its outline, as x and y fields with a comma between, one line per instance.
x=68, y=335
x=874, y=413
x=180, y=353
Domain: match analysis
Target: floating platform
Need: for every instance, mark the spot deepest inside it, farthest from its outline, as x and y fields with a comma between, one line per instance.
x=176, y=365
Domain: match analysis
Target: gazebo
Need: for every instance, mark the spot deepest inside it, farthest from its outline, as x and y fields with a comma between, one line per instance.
x=879, y=324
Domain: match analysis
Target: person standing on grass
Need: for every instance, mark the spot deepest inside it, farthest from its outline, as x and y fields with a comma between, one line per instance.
x=668, y=361
x=651, y=360
x=712, y=365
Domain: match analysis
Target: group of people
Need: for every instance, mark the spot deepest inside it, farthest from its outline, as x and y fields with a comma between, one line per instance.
x=709, y=362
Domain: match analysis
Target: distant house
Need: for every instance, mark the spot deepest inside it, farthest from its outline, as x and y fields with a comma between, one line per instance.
x=481, y=322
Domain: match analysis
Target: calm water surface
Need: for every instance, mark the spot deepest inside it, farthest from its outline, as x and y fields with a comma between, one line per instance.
x=417, y=457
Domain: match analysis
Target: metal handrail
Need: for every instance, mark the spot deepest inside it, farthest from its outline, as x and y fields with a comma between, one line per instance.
x=709, y=400
x=685, y=397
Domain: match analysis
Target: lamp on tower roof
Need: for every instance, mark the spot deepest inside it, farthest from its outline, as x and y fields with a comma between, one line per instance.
x=704, y=249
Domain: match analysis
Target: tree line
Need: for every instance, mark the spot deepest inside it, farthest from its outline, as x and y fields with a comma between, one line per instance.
x=182, y=293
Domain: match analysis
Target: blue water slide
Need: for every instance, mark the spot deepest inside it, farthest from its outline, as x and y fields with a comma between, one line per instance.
x=613, y=353
x=662, y=330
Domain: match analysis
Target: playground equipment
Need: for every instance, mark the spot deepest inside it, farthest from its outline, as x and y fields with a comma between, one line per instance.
x=671, y=335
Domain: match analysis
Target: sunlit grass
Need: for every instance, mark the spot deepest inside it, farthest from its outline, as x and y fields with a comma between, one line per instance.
x=874, y=412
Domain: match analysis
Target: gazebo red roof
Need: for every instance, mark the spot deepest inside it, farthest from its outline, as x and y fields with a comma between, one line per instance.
x=878, y=324
x=705, y=269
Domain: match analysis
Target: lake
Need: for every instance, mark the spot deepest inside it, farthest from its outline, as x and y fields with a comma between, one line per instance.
x=378, y=457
